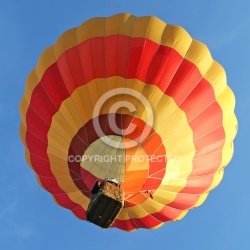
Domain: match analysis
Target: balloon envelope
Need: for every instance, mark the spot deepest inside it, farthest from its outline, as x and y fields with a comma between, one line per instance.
x=135, y=99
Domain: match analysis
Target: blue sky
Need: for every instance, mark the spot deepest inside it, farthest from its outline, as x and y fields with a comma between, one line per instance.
x=29, y=218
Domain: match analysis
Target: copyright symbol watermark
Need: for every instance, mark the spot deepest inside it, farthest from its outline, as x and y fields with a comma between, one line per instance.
x=123, y=103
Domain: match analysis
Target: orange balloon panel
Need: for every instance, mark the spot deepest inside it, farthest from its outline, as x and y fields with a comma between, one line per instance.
x=135, y=99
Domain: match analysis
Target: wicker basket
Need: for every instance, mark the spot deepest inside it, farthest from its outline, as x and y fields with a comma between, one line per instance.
x=105, y=204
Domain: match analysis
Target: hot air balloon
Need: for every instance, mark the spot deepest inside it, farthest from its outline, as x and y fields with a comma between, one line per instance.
x=134, y=100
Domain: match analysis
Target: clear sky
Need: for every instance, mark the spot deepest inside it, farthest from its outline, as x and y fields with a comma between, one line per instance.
x=29, y=218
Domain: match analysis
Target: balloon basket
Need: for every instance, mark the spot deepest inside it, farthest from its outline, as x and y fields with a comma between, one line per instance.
x=106, y=202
